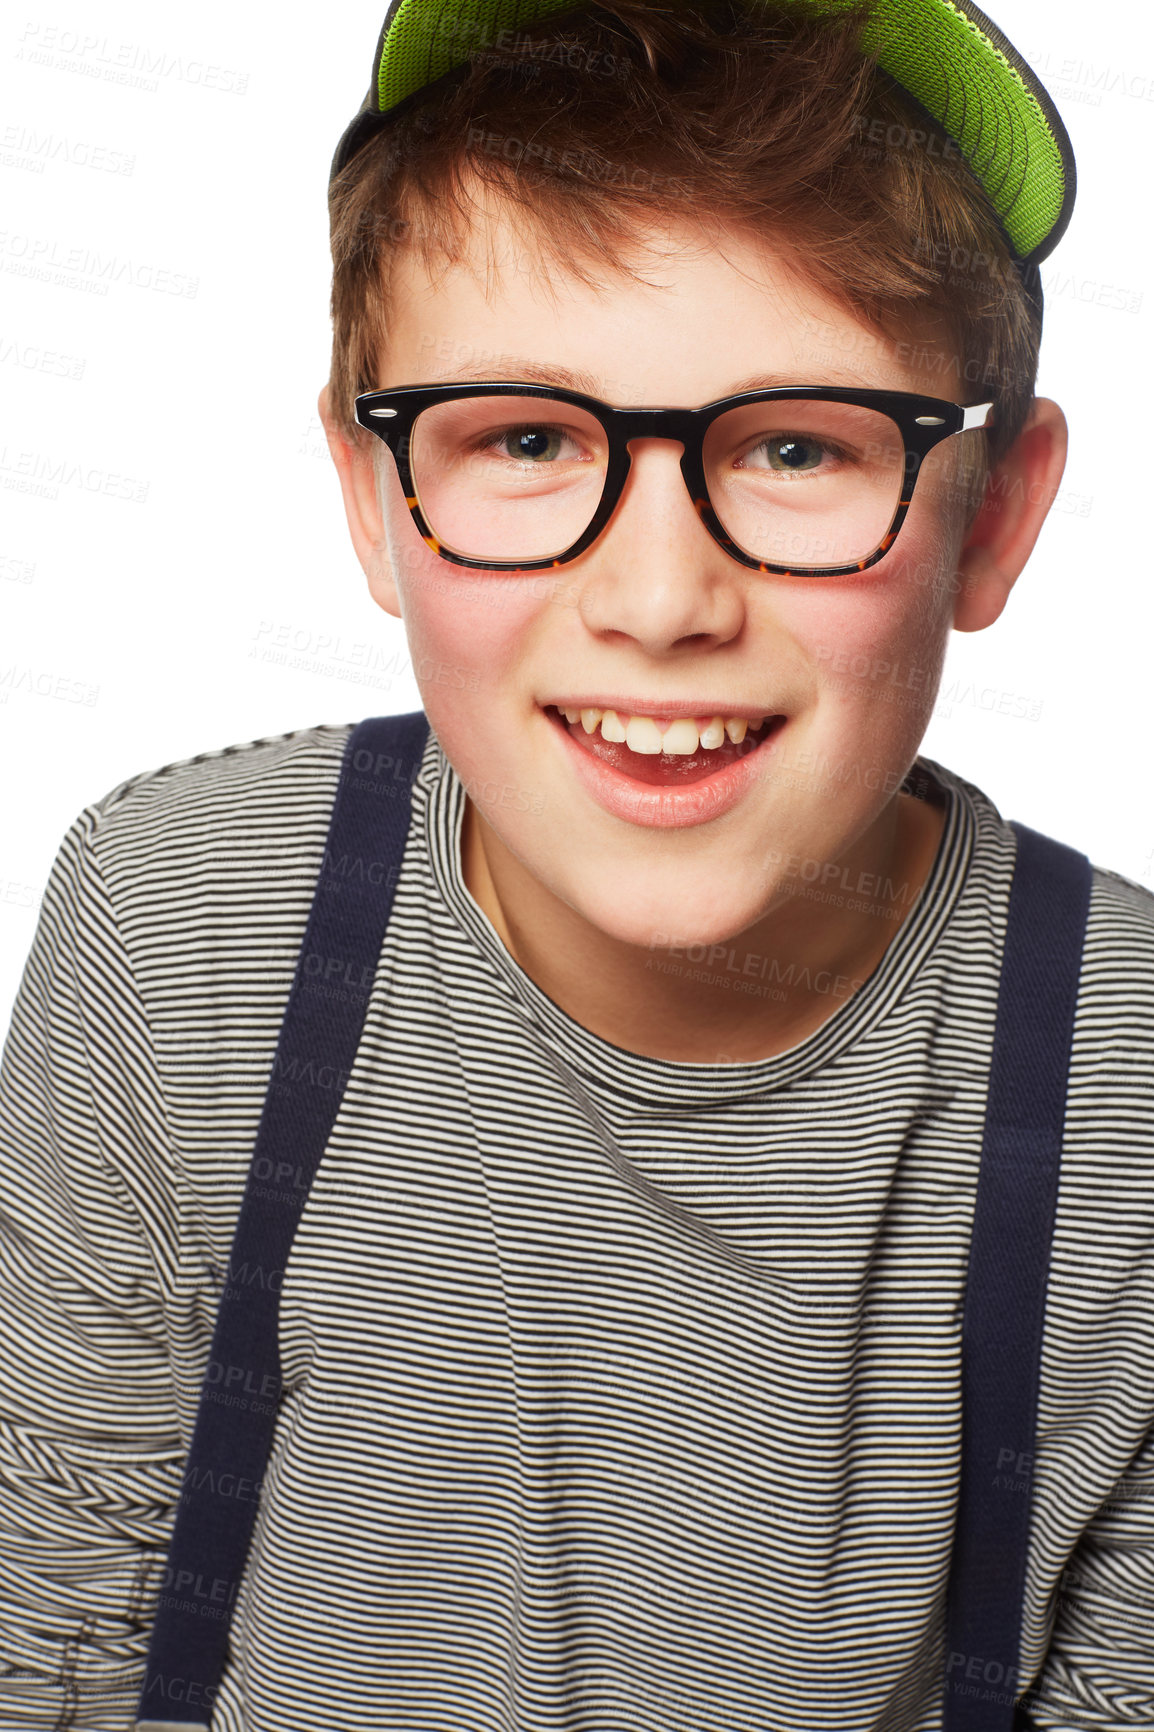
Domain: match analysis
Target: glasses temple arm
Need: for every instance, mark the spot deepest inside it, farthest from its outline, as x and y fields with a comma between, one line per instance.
x=975, y=416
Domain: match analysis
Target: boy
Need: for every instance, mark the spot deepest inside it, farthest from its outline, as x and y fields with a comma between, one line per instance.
x=617, y=1366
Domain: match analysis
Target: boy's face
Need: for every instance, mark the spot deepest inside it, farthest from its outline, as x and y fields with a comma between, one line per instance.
x=655, y=617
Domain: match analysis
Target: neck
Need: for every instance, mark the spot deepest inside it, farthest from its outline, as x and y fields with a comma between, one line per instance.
x=776, y=983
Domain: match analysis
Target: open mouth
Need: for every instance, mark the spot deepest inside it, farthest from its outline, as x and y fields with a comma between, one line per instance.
x=659, y=768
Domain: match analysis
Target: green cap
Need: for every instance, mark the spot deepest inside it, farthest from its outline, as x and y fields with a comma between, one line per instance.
x=946, y=54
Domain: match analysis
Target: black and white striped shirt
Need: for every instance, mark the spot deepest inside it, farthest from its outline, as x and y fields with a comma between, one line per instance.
x=623, y=1394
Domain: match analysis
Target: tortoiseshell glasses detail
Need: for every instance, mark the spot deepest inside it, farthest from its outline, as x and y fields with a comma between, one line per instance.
x=800, y=480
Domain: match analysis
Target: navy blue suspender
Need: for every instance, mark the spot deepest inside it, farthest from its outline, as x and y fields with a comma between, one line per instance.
x=324, y=1017
x=242, y=1389
x=1009, y=1266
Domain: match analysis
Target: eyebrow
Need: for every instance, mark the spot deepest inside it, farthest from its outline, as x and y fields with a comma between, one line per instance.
x=576, y=379
x=532, y=372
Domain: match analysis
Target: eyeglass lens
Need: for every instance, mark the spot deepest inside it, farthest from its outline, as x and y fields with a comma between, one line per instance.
x=797, y=482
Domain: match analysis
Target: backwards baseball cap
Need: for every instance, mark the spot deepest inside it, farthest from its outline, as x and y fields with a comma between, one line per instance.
x=949, y=57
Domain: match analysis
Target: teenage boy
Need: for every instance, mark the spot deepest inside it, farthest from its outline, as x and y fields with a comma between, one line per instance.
x=615, y=1376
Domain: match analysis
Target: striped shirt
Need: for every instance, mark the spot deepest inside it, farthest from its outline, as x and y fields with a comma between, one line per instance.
x=623, y=1394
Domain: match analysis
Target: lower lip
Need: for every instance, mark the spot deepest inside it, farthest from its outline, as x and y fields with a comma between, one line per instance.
x=672, y=807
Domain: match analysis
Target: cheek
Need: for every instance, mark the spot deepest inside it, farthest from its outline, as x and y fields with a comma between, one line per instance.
x=877, y=644
x=471, y=637
x=482, y=625
x=461, y=625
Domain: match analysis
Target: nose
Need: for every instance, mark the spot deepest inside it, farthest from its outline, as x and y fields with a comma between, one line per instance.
x=655, y=574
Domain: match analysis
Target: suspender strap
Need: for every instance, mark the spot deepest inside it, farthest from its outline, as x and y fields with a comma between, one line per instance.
x=1009, y=1264
x=242, y=1390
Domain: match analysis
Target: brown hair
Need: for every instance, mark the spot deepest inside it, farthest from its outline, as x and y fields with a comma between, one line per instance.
x=630, y=112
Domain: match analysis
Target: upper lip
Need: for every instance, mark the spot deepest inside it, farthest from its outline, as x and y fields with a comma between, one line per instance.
x=663, y=711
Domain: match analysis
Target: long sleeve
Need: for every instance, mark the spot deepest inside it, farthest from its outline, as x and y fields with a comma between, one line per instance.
x=90, y=1452
x=1099, y=1672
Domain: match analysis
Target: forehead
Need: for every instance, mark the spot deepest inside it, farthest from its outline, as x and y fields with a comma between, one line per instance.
x=692, y=311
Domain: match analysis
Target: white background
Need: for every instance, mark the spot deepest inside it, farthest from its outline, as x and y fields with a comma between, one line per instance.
x=179, y=361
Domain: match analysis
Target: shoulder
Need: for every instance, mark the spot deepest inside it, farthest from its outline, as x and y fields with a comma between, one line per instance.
x=1119, y=944
x=218, y=804
x=1104, y=1234
x=233, y=785
x=1114, y=1025
x=1120, y=932
x=1114, y=1029
x=207, y=852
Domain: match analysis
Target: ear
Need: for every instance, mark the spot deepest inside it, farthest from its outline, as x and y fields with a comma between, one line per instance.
x=1019, y=494
x=357, y=476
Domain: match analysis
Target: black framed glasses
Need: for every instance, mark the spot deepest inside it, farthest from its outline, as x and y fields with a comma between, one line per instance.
x=808, y=479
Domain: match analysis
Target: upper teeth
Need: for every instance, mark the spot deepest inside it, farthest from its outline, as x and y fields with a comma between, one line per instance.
x=680, y=737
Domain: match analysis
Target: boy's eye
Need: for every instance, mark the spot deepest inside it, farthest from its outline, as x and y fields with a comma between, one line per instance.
x=534, y=444
x=787, y=453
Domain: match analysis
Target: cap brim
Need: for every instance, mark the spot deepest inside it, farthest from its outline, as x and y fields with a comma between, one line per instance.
x=946, y=53
x=975, y=84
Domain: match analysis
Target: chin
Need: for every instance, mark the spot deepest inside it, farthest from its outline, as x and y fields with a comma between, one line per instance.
x=651, y=918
